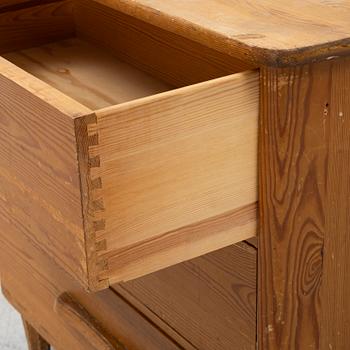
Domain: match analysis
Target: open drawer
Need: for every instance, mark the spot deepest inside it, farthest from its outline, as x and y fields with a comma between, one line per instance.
x=124, y=148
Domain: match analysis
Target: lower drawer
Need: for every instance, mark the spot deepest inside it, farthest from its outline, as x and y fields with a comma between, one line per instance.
x=206, y=303
x=64, y=314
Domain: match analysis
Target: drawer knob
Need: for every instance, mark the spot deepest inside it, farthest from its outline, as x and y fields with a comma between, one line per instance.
x=85, y=324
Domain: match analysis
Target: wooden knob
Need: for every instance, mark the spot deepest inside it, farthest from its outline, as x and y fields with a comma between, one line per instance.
x=85, y=324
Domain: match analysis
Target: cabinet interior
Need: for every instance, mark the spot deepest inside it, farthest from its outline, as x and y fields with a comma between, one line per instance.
x=102, y=57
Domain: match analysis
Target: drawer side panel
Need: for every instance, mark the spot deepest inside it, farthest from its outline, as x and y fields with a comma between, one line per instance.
x=176, y=174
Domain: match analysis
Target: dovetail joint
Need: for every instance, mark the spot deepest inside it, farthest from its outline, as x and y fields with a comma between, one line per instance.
x=96, y=202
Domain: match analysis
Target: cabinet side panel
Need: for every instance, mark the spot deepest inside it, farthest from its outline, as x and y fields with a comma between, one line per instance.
x=39, y=179
x=304, y=241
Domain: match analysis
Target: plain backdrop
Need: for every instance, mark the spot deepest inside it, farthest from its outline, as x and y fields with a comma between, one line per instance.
x=11, y=330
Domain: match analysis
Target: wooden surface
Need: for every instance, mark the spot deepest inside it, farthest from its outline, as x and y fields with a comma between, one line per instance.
x=93, y=78
x=170, y=57
x=39, y=179
x=87, y=74
x=210, y=300
x=304, y=243
x=266, y=31
x=34, y=339
x=32, y=282
x=172, y=176
x=35, y=26
x=33, y=290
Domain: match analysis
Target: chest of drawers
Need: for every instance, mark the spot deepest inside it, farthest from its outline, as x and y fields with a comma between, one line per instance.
x=136, y=140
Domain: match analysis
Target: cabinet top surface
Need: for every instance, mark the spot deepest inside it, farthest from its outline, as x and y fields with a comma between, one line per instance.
x=264, y=31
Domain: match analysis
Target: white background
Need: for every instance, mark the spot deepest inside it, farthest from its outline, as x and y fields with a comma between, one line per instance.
x=11, y=330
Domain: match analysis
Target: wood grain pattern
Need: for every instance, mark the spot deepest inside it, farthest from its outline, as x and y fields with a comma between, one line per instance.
x=267, y=31
x=172, y=58
x=108, y=257
x=192, y=194
x=304, y=199
x=33, y=285
x=32, y=282
x=35, y=26
x=210, y=300
x=34, y=339
x=175, y=246
x=87, y=74
x=176, y=174
x=39, y=178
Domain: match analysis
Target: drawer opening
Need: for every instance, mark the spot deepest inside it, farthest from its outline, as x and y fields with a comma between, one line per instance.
x=86, y=73
x=162, y=136
x=101, y=57
x=206, y=303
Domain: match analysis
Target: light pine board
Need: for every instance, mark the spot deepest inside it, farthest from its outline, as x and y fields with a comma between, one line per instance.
x=186, y=160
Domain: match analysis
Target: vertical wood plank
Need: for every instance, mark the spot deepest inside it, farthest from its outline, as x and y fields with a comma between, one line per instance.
x=304, y=205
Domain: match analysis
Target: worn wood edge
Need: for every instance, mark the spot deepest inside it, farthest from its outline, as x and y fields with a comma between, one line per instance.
x=308, y=54
x=89, y=195
x=40, y=89
x=232, y=46
x=225, y=229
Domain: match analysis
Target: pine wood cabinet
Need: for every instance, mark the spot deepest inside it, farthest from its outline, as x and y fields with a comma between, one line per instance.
x=143, y=147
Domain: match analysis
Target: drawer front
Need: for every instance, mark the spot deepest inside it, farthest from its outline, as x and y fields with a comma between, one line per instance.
x=210, y=300
x=116, y=193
